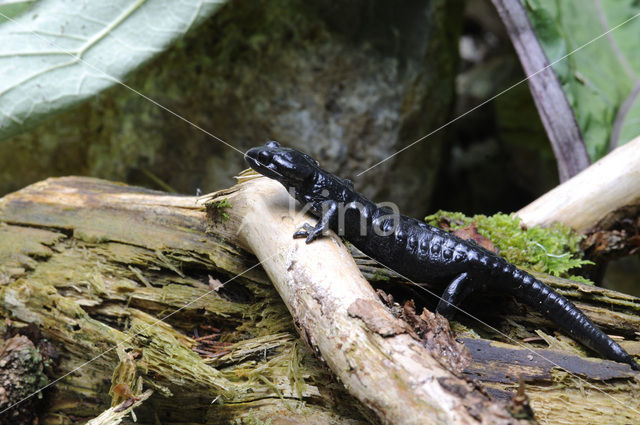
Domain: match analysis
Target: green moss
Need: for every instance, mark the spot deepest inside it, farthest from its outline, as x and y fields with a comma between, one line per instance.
x=32, y=362
x=220, y=206
x=553, y=250
x=251, y=419
x=378, y=276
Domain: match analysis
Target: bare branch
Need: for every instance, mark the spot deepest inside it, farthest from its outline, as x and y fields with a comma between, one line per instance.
x=592, y=198
x=555, y=112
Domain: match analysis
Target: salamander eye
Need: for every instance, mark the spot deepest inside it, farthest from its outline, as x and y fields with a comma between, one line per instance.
x=264, y=157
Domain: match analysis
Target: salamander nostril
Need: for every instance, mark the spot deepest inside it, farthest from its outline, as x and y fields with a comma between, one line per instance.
x=251, y=153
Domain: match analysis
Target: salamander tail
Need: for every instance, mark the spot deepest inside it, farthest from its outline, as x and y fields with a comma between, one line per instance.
x=564, y=313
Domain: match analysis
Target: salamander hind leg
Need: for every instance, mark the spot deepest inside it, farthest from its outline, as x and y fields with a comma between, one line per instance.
x=455, y=293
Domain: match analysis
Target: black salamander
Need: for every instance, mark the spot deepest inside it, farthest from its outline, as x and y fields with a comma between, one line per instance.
x=417, y=250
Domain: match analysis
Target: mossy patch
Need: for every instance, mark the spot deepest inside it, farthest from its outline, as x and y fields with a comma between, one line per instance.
x=250, y=419
x=553, y=250
x=220, y=206
x=379, y=276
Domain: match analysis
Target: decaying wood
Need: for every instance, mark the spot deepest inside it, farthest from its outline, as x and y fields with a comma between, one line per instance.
x=563, y=384
x=116, y=414
x=603, y=202
x=94, y=264
x=21, y=374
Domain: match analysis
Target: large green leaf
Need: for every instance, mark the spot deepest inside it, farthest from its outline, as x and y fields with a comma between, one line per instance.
x=10, y=9
x=602, y=80
x=61, y=52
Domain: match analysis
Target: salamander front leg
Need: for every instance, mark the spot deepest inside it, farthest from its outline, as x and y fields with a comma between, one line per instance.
x=304, y=231
x=327, y=221
x=455, y=293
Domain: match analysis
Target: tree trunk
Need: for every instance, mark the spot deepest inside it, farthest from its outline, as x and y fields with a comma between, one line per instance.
x=96, y=265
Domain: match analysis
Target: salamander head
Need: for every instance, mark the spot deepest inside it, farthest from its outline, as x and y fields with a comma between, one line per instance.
x=288, y=166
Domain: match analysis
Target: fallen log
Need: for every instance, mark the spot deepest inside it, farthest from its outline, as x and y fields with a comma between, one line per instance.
x=96, y=264
x=119, y=280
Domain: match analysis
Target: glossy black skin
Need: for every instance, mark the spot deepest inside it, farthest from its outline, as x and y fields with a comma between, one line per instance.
x=417, y=250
